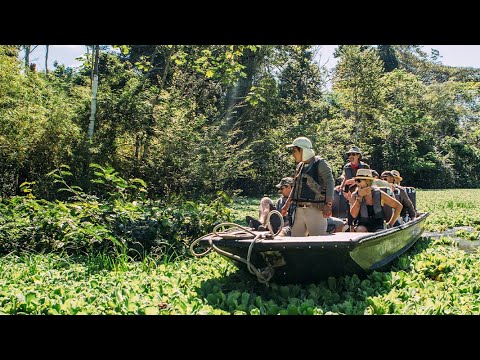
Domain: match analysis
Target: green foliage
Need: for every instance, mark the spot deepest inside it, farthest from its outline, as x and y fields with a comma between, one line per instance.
x=116, y=222
x=197, y=119
x=431, y=278
x=357, y=81
x=450, y=208
x=36, y=123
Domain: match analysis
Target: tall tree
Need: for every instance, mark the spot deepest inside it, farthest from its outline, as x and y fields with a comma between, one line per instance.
x=91, y=125
x=357, y=81
x=387, y=54
x=46, y=59
x=27, y=49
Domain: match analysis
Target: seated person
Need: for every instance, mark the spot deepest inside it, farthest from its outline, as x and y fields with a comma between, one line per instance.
x=408, y=211
x=266, y=205
x=366, y=204
x=383, y=183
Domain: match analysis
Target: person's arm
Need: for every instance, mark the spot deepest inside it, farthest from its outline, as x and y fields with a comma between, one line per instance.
x=394, y=204
x=344, y=178
x=285, y=207
x=278, y=204
x=325, y=172
x=355, y=206
x=408, y=203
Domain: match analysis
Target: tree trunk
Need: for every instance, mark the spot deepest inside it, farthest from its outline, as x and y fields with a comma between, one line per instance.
x=91, y=125
x=27, y=56
x=93, y=61
x=46, y=59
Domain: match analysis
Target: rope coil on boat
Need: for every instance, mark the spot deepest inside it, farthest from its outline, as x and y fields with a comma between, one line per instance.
x=231, y=234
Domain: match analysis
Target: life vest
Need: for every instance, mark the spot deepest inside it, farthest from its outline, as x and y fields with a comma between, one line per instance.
x=349, y=170
x=377, y=205
x=406, y=198
x=309, y=187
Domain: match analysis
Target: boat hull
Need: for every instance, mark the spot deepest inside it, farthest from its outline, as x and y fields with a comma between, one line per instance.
x=313, y=258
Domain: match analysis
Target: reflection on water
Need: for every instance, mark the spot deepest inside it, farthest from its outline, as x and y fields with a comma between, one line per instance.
x=458, y=242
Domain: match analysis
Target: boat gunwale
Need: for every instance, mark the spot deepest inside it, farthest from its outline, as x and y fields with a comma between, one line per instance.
x=321, y=241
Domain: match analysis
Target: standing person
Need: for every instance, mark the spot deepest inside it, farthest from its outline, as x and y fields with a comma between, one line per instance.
x=349, y=172
x=312, y=192
x=367, y=202
x=266, y=205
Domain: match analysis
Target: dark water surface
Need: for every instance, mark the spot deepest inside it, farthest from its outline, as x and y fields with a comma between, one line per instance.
x=458, y=242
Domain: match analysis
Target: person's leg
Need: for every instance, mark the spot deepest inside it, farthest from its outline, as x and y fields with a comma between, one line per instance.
x=315, y=221
x=361, y=228
x=335, y=224
x=350, y=219
x=299, y=228
x=253, y=223
x=330, y=226
x=266, y=205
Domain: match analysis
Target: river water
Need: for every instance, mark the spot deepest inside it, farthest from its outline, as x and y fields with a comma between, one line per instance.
x=458, y=242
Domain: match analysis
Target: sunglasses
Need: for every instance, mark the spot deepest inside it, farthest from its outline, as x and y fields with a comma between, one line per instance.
x=284, y=187
x=384, y=178
x=352, y=154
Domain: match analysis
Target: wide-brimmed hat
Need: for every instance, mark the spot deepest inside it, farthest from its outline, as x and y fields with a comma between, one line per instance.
x=301, y=142
x=354, y=149
x=386, y=173
x=365, y=174
x=286, y=181
x=396, y=174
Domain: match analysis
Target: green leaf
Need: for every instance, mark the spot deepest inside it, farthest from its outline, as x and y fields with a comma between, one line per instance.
x=30, y=297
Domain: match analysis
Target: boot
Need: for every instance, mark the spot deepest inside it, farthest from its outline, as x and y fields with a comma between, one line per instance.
x=253, y=223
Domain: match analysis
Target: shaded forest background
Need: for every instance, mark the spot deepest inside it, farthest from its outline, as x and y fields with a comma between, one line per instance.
x=194, y=120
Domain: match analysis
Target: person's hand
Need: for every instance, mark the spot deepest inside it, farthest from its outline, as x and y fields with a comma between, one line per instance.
x=364, y=191
x=327, y=210
x=338, y=187
x=347, y=195
x=350, y=181
x=284, y=210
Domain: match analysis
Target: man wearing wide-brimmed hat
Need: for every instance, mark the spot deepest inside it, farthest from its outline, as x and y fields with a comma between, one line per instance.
x=366, y=204
x=312, y=192
x=349, y=171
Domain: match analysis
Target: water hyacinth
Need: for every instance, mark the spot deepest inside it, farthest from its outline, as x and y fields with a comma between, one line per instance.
x=434, y=277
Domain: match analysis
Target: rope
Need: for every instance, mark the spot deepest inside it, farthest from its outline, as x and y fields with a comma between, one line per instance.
x=269, y=226
x=262, y=276
x=195, y=242
x=233, y=225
